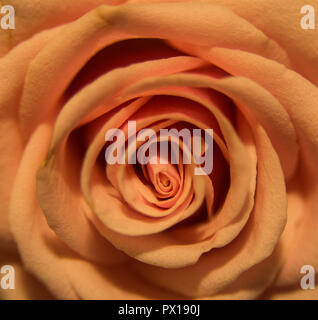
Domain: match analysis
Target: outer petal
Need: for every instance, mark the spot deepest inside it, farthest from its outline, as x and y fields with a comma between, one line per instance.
x=281, y=23
x=11, y=87
x=107, y=24
x=33, y=16
x=45, y=256
x=300, y=98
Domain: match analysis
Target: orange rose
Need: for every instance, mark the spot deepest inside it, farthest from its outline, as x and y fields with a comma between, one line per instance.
x=86, y=229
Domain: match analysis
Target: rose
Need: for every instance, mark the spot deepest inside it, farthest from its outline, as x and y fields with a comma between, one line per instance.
x=246, y=69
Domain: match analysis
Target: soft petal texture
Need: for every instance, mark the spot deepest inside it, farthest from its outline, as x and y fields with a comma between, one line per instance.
x=10, y=92
x=33, y=16
x=280, y=23
x=158, y=231
x=284, y=28
x=292, y=91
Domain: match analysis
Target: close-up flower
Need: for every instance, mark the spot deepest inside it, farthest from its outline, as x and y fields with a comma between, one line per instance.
x=157, y=149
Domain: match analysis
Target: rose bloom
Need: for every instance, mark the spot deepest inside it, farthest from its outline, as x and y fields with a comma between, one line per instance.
x=75, y=227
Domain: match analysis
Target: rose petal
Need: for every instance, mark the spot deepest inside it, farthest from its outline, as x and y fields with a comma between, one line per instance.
x=284, y=28
x=34, y=16
x=10, y=93
x=155, y=250
x=299, y=98
x=213, y=272
x=38, y=245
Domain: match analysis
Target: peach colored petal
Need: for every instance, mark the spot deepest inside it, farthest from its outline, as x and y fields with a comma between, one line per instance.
x=66, y=211
x=284, y=28
x=175, y=112
x=253, y=100
x=238, y=165
x=48, y=78
x=215, y=271
x=125, y=181
x=107, y=24
x=38, y=245
x=45, y=255
x=299, y=98
x=207, y=18
x=131, y=222
x=169, y=113
x=152, y=250
x=106, y=89
x=11, y=88
x=112, y=283
x=281, y=24
x=250, y=285
x=164, y=177
x=169, y=189
x=65, y=208
x=33, y=16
